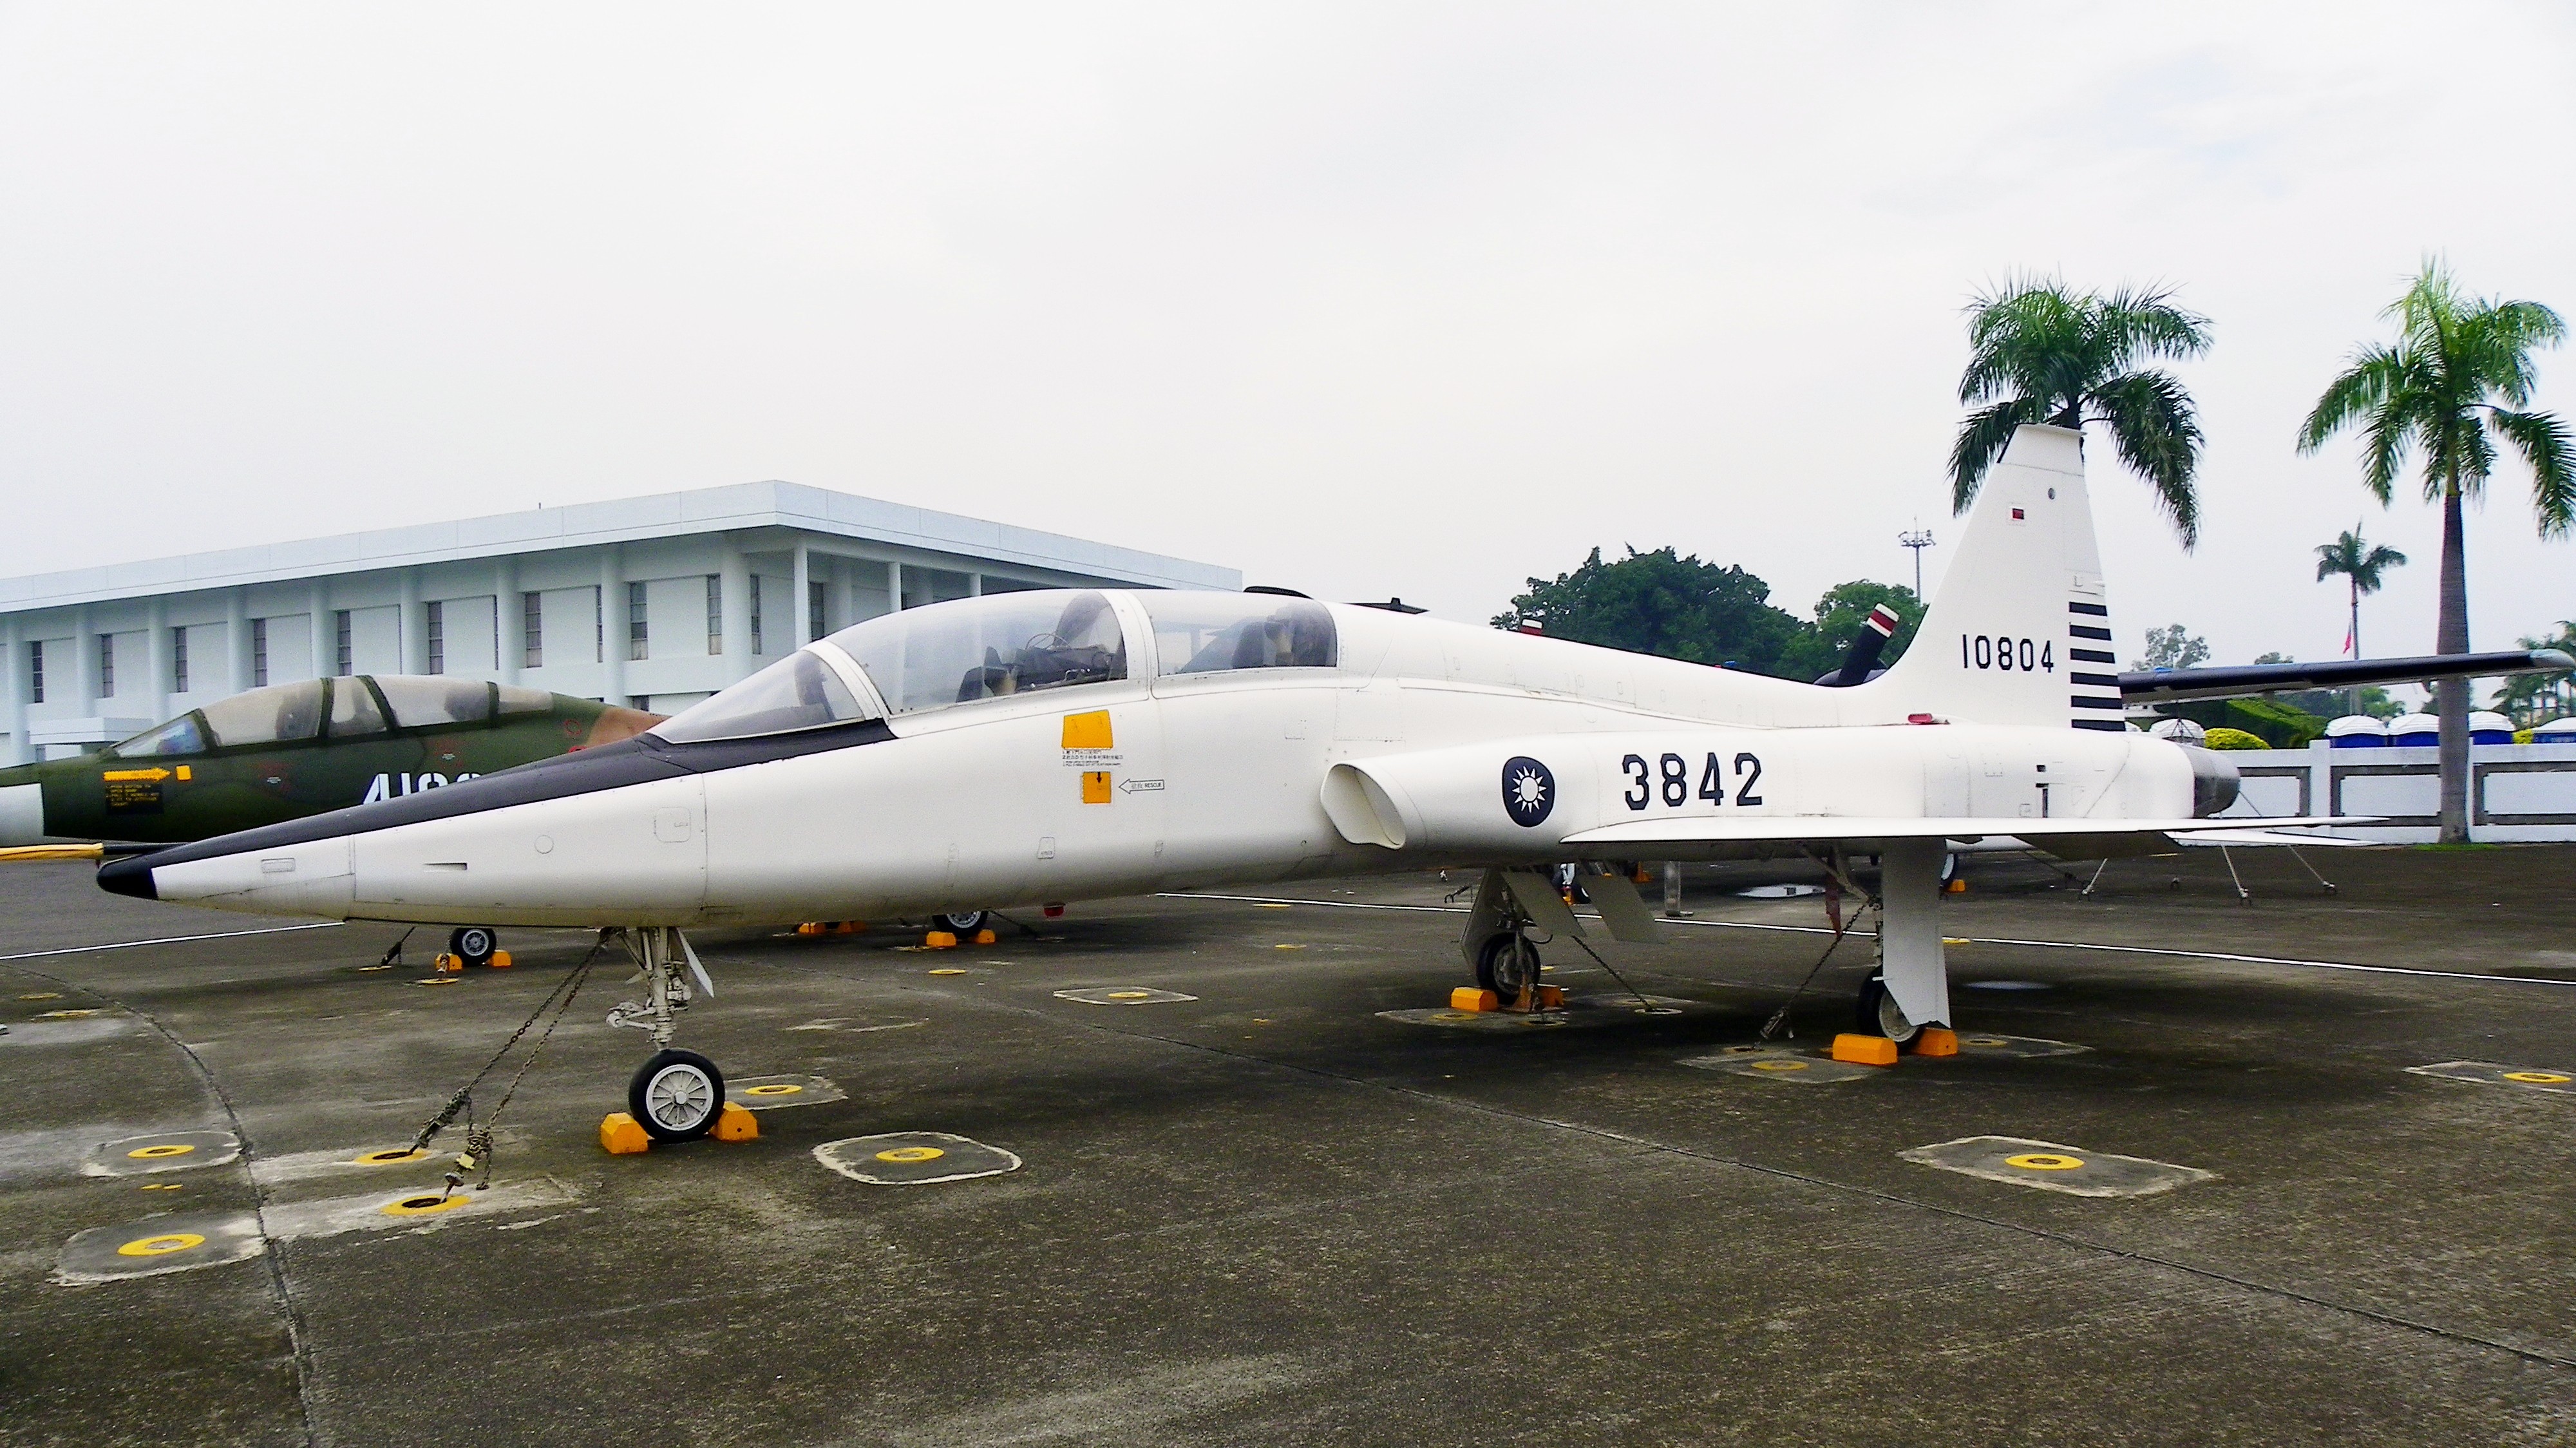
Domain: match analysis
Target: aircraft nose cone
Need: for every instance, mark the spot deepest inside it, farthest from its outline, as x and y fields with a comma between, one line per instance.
x=129, y=876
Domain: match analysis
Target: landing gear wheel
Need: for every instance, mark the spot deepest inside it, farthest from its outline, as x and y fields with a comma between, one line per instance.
x=1505, y=964
x=676, y=1095
x=474, y=944
x=1880, y=1015
x=965, y=924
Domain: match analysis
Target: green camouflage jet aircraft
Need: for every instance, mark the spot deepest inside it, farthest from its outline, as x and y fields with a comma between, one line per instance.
x=293, y=750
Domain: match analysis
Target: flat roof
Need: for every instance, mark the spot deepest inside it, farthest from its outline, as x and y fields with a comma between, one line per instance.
x=661, y=515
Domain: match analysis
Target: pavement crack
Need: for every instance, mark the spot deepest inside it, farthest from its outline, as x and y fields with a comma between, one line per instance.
x=273, y=1251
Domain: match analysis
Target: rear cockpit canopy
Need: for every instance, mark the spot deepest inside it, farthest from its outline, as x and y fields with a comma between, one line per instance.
x=1001, y=646
x=353, y=706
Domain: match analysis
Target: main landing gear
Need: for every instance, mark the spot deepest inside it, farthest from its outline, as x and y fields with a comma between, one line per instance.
x=1497, y=944
x=1878, y=1014
x=1507, y=964
x=1911, y=987
x=675, y=1095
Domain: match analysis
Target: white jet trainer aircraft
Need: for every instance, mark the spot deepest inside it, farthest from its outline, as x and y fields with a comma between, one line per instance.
x=1042, y=747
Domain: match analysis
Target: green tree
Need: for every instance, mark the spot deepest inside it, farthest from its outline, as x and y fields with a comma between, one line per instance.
x=2360, y=565
x=2538, y=698
x=1661, y=603
x=1818, y=648
x=2042, y=353
x=2173, y=647
x=2453, y=384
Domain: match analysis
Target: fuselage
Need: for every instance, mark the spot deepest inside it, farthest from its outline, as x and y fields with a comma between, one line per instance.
x=1106, y=743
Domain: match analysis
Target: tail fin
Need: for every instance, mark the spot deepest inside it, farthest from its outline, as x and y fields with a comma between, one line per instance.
x=2019, y=632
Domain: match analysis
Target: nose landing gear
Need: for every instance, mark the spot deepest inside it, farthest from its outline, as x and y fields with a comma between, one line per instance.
x=675, y=1095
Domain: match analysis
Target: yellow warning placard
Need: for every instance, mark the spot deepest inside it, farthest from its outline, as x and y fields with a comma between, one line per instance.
x=1088, y=731
x=1095, y=786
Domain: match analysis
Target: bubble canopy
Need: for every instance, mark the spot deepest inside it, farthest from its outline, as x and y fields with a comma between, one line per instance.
x=920, y=659
x=1002, y=646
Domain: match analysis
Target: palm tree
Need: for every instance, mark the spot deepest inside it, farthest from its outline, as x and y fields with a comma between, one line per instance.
x=2443, y=387
x=2041, y=353
x=2534, y=698
x=2360, y=564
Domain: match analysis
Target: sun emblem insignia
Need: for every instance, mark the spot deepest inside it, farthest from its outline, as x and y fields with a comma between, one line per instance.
x=1529, y=790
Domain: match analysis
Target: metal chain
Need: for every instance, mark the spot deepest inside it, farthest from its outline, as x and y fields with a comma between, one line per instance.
x=463, y=1100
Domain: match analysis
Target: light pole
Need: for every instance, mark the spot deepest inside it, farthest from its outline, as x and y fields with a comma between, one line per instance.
x=1918, y=539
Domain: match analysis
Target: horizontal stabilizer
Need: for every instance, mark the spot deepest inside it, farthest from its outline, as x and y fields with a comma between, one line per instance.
x=2158, y=686
x=1829, y=827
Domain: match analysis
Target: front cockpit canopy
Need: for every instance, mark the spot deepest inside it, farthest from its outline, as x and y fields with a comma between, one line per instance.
x=355, y=705
x=988, y=648
x=1001, y=646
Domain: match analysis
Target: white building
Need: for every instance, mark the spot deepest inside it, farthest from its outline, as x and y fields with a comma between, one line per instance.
x=655, y=602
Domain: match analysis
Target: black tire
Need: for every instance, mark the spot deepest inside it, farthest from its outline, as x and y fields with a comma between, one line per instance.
x=964, y=924
x=1505, y=963
x=474, y=944
x=1949, y=867
x=687, y=1089
x=1877, y=1013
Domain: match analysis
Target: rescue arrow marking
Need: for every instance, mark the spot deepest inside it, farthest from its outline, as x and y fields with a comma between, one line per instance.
x=154, y=775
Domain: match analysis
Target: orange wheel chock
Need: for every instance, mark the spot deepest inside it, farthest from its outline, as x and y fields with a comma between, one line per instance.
x=1936, y=1041
x=985, y=937
x=447, y=964
x=501, y=960
x=736, y=1123
x=1864, y=1050
x=939, y=940
x=1468, y=998
x=621, y=1135
x=1551, y=997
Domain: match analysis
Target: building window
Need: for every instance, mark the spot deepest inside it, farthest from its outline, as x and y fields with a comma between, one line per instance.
x=259, y=653
x=815, y=592
x=638, y=639
x=178, y=661
x=715, y=613
x=640, y=703
x=532, y=630
x=107, y=666
x=347, y=649
x=756, y=647
x=598, y=626
x=437, y=618
x=36, y=671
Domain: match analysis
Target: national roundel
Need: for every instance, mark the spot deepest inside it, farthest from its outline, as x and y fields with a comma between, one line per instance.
x=1529, y=791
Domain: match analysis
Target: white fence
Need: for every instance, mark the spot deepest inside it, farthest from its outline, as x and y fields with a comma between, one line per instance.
x=2518, y=793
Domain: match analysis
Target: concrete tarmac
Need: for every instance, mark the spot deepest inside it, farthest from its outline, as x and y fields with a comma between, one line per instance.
x=2208, y=1195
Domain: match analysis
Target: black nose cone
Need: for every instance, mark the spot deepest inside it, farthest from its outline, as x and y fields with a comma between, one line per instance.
x=129, y=876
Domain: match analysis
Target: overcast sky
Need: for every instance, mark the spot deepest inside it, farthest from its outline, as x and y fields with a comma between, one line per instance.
x=1361, y=300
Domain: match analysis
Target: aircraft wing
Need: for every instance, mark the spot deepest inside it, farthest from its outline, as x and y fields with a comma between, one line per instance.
x=2158, y=686
x=2269, y=837
x=1853, y=827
